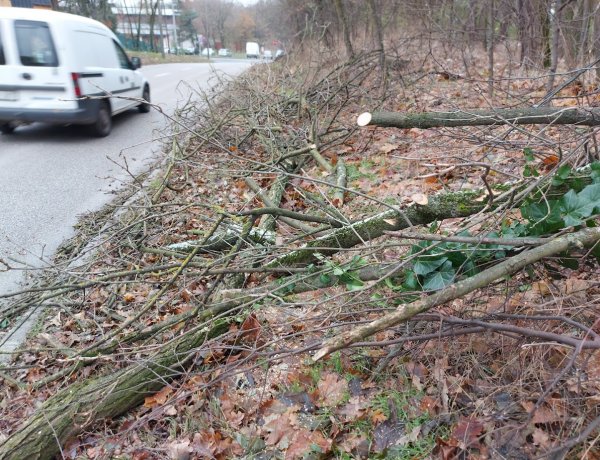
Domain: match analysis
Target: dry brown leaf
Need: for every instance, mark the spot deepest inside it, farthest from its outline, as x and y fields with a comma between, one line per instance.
x=541, y=287
x=305, y=441
x=377, y=416
x=128, y=297
x=332, y=389
x=467, y=431
x=158, y=399
x=542, y=414
x=279, y=428
x=352, y=410
x=541, y=438
x=179, y=450
x=250, y=329
x=171, y=410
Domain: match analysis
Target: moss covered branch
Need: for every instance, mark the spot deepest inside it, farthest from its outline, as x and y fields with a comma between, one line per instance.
x=586, y=116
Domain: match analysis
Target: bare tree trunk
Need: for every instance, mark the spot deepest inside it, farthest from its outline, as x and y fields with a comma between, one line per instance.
x=596, y=40
x=554, y=16
x=491, y=12
x=378, y=29
x=584, y=48
x=341, y=12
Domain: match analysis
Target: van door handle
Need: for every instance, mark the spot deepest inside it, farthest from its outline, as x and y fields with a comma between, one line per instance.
x=26, y=76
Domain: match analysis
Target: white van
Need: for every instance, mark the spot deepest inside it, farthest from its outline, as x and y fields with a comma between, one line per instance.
x=252, y=50
x=66, y=69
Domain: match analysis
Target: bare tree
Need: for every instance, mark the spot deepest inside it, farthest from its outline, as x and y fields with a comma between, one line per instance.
x=339, y=7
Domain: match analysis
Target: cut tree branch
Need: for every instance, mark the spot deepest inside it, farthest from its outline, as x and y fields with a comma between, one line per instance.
x=585, y=116
x=586, y=237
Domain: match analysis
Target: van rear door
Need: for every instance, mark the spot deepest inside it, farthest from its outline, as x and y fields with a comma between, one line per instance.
x=106, y=68
x=32, y=76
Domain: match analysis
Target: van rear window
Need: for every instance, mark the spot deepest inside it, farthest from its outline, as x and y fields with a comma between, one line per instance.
x=35, y=44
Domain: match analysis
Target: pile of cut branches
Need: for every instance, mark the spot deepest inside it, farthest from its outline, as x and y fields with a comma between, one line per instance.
x=284, y=253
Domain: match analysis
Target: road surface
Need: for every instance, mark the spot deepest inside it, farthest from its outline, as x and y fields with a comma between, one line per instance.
x=49, y=175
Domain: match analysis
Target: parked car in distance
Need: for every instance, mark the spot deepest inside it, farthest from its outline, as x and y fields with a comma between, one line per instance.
x=252, y=50
x=64, y=69
x=208, y=52
x=224, y=52
x=279, y=53
x=189, y=50
x=267, y=54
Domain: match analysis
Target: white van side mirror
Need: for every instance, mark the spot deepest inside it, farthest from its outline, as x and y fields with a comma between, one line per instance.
x=136, y=63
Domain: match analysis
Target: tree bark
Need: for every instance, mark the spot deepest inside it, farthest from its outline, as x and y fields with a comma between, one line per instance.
x=341, y=13
x=78, y=406
x=583, y=116
x=554, y=37
x=443, y=206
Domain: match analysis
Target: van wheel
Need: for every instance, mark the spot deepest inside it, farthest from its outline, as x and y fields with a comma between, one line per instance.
x=145, y=108
x=103, y=124
x=7, y=128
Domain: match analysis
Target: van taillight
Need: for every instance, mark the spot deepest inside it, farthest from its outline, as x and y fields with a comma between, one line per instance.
x=75, y=78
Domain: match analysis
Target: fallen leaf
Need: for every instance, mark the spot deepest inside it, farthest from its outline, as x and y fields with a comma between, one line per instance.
x=179, y=450
x=352, y=410
x=210, y=444
x=250, y=329
x=128, y=297
x=550, y=160
x=332, y=389
x=388, y=434
x=377, y=416
x=279, y=428
x=467, y=431
x=540, y=287
x=306, y=442
x=541, y=438
x=158, y=399
x=386, y=147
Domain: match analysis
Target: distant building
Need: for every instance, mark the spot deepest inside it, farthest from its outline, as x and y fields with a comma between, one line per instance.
x=142, y=28
x=41, y=4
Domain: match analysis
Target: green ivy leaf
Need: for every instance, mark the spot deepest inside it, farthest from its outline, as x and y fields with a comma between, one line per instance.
x=337, y=271
x=411, y=282
x=575, y=208
x=425, y=266
x=440, y=278
x=562, y=174
x=543, y=217
x=325, y=279
x=530, y=171
x=591, y=194
x=528, y=152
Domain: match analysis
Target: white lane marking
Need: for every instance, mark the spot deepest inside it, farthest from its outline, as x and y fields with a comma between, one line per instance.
x=163, y=74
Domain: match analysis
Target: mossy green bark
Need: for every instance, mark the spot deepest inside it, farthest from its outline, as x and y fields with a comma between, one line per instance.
x=584, y=116
x=77, y=407
x=443, y=206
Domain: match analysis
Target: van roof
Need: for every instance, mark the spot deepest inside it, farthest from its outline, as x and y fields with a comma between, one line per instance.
x=44, y=15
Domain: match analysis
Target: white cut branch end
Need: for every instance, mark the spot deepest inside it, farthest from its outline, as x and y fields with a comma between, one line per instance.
x=364, y=119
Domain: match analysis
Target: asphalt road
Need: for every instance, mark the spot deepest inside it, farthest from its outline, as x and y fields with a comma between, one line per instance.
x=50, y=175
